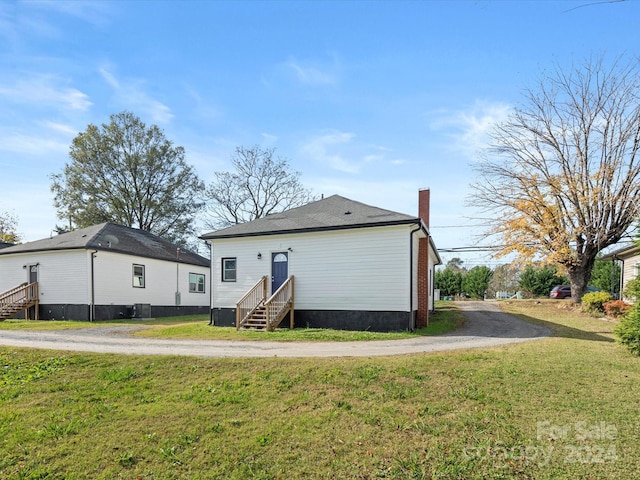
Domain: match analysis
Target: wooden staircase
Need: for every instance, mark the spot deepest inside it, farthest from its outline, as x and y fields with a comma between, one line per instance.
x=256, y=312
x=20, y=298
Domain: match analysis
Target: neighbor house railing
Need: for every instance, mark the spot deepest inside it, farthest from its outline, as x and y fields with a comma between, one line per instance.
x=19, y=298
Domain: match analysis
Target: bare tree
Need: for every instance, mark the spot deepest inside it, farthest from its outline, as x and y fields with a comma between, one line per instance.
x=562, y=176
x=261, y=184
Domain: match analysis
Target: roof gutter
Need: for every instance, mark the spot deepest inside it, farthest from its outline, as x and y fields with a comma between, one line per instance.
x=215, y=236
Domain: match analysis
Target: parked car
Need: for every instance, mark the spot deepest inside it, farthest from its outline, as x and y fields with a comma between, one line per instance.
x=564, y=291
x=560, y=291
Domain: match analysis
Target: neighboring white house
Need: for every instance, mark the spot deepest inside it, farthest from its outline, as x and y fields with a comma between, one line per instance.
x=629, y=259
x=355, y=266
x=108, y=271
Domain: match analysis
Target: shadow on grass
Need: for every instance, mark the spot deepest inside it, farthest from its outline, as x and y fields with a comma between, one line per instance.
x=566, y=323
x=488, y=319
x=565, y=331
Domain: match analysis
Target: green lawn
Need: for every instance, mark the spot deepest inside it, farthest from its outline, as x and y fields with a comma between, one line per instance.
x=196, y=327
x=564, y=407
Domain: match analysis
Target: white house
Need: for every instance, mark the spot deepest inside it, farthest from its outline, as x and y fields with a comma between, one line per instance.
x=352, y=266
x=107, y=271
x=629, y=258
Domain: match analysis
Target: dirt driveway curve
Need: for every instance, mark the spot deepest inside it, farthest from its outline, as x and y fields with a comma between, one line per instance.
x=485, y=326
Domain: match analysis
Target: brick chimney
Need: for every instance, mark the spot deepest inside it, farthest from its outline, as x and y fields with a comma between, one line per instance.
x=424, y=289
x=424, y=198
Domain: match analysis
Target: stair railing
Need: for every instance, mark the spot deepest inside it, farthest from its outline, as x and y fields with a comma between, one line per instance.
x=251, y=300
x=278, y=304
x=19, y=298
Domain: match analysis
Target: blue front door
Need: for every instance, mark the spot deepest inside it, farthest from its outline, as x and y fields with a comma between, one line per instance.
x=279, y=269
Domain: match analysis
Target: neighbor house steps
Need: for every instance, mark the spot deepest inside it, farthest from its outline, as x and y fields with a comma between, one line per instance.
x=18, y=299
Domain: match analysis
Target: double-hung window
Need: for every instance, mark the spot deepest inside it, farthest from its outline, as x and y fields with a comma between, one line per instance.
x=138, y=276
x=196, y=282
x=229, y=269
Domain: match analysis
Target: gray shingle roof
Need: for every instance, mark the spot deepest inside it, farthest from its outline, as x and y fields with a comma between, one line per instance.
x=331, y=213
x=625, y=250
x=111, y=237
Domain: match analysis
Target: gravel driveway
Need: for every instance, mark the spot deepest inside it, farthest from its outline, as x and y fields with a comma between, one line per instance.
x=486, y=326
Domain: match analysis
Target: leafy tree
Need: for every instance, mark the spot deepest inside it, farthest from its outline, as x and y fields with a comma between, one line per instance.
x=538, y=281
x=127, y=173
x=455, y=264
x=476, y=282
x=260, y=185
x=562, y=175
x=632, y=290
x=8, y=228
x=448, y=281
x=628, y=330
x=606, y=276
x=505, y=279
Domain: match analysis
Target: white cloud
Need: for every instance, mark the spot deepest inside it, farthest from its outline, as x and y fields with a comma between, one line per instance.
x=131, y=94
x=109, y=77
x=202, y=108
x=60, y=128
x=322, y=149
x=311, y=74
x=342, y=151
x=96, y=13
x=470, y=128
x=268, y=138
x=31, y=144
x=45, y=90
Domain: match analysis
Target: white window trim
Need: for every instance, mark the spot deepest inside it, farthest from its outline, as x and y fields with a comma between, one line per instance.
x=197, y=283
x=225, y=270
x=142, y=277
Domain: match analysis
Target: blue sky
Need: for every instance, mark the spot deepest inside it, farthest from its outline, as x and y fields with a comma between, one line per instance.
x=371, y=100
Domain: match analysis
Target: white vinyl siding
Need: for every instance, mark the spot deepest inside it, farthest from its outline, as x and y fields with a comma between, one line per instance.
x=64, y=277
x=71, y=289
x=113, y=284
x=354, y=269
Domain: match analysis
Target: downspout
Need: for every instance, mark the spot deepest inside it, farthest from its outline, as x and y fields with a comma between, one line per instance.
x=621, y=260
x=210, y=282
x=92, y=309
x=411, y=319
x=177, y=295
x=613, y=277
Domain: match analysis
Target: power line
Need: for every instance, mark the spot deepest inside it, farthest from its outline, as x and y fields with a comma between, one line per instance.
x=460, y=226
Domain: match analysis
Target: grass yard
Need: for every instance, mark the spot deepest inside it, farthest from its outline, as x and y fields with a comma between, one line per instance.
x=196, y=327
x=565, y=407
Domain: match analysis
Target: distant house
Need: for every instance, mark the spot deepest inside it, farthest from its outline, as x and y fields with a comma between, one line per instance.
x=5, y=245
x=107, y=271
x=629, y=258
x=350, y=265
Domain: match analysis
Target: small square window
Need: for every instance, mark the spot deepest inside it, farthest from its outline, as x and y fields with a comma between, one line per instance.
x=196, y=283
x=138, y=276
x=228, y=269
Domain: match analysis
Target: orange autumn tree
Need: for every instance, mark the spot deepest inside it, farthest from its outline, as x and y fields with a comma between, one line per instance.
x=8, y=228
x=561, y=178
